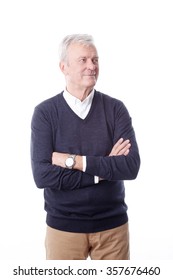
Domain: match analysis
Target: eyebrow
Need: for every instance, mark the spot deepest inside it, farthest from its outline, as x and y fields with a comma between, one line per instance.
x=87, y=57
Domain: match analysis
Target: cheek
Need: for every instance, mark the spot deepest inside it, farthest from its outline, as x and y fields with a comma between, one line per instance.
x=76, y=73
x=75, y=76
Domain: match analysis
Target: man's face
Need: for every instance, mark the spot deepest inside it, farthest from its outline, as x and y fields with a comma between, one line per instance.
x=82, y=68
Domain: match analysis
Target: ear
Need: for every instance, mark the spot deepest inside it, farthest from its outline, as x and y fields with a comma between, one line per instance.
x=63, y=67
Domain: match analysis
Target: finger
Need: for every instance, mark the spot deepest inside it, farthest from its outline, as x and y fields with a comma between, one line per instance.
x=119, y=142
x=124, y=149
x=126, y=152
x=121, y=149
x=117, y=148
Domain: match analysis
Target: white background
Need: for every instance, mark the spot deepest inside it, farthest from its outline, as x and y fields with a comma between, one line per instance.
x=135, y=44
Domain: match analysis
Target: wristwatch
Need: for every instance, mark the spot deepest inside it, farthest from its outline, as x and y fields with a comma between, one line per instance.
x=70, y=161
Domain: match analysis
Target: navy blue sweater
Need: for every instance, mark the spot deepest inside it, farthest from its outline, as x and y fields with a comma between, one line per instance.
x=72, y=201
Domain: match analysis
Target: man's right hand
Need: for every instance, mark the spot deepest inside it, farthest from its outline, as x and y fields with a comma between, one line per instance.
x=121, y=147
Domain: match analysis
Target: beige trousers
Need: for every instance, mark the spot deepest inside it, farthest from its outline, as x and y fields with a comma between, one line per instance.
x=111, y=244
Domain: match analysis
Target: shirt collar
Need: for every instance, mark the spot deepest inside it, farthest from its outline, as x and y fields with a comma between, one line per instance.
x=74, y=101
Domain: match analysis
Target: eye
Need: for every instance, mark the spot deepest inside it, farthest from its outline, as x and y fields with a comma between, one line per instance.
x=82, y=60
x=95, y=60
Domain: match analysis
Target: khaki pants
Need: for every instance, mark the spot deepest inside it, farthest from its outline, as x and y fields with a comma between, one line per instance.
x=111, y=244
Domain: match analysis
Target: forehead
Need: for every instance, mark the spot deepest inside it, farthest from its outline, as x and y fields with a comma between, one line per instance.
x=78, y=50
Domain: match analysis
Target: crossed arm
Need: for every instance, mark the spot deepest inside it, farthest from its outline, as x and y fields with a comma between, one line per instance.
x=48, y=165
x=121, y=147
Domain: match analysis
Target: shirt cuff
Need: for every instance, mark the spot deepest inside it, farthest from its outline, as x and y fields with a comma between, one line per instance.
x=96, y=178
x=84, y=163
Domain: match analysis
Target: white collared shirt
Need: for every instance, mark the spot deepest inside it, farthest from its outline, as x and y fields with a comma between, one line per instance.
x=81, y=109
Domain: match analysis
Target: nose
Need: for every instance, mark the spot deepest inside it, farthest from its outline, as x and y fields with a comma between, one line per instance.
x=91, y=65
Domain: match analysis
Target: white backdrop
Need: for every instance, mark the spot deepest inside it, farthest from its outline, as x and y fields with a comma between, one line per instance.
x=135, y=43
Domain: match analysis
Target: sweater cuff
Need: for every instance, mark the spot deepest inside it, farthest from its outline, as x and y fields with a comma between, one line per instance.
x=96, y=178
x=93, y=165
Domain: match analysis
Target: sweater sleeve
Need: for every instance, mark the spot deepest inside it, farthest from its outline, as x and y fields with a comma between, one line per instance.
x=45, y=174
x=114, y=168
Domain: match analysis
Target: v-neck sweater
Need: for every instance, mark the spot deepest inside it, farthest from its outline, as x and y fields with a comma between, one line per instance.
x=73, y=202
x=81, y=108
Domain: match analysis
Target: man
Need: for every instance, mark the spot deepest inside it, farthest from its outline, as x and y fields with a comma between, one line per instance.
x=83, y=147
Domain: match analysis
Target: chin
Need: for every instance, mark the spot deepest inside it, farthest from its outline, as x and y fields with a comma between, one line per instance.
x=91, y=82
x=90, y=85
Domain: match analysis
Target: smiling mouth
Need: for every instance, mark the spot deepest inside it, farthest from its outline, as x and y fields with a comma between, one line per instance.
x=91, y=75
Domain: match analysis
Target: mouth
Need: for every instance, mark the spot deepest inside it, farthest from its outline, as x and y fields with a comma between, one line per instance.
x=91, y=75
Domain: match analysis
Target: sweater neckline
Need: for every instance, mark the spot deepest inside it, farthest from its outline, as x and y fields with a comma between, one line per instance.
x=73, y=113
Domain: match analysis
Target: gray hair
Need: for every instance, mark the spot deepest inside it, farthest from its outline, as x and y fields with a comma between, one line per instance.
x=83, y=39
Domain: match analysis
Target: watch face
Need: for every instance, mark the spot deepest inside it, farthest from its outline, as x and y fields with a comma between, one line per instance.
x=69, y=162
